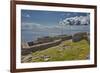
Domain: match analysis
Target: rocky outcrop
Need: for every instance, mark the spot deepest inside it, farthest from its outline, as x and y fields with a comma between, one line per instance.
x=79, y=36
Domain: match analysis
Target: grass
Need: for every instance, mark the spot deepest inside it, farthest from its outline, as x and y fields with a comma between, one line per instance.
x=67, y=50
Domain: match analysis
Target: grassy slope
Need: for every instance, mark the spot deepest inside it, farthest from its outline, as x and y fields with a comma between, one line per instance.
x=67, y=50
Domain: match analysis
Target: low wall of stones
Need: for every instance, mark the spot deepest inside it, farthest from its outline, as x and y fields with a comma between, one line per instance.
x=66, y=38
x=39, y=47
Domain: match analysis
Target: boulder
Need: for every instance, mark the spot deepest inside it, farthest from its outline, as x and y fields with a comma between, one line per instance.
x=80, y=36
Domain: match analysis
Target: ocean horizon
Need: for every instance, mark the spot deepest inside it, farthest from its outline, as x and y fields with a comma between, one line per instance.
x=32, y=36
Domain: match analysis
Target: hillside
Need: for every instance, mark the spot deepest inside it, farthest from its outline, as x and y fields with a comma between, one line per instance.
x=67, y=50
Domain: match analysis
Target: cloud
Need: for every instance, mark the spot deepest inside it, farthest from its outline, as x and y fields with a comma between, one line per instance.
x=30, y=26
x=40, y=28
x=26, y=15
x=77, y=20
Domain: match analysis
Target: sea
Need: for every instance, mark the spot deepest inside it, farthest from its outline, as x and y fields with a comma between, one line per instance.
x=28, y=36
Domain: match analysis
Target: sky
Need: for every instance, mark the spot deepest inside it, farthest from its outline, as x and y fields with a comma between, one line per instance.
x=43, y=23
x=47, y=17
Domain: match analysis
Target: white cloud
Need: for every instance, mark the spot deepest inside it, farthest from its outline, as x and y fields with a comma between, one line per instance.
x=77, y=20
x=26, y=15
x=30, y=26
x=35, y=27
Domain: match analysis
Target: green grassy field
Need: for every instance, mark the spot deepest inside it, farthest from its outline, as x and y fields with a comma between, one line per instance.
x=67, y=50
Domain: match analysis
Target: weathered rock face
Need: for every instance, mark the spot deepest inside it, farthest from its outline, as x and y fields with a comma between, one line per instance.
x=79, y=36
